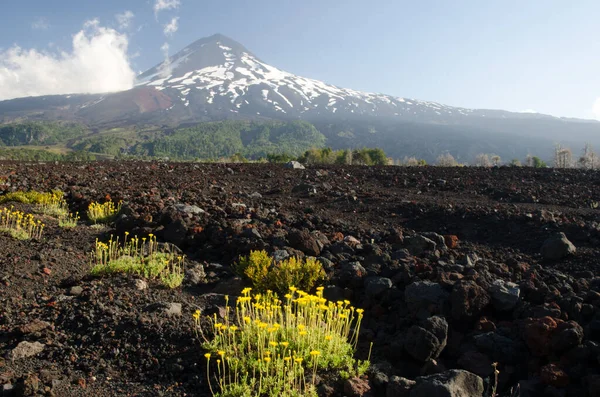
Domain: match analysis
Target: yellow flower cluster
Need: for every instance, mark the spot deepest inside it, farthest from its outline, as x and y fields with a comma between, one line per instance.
x=19, y=224
x=103, y=213
x=273, y=338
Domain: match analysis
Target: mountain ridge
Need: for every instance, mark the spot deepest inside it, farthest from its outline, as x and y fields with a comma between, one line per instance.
x=217, y=78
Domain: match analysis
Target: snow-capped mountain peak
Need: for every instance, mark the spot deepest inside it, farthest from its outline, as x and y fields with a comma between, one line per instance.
x=218, y=71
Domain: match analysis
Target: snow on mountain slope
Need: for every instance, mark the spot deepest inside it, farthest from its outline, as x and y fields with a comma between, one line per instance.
x=220, y=70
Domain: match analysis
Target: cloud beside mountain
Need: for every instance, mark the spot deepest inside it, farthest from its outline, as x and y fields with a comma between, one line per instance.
x=97, y=62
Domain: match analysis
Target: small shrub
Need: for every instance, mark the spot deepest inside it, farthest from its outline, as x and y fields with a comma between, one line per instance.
x=20, y=225
x=266, y=274
x=275, y=348
x=103, y=213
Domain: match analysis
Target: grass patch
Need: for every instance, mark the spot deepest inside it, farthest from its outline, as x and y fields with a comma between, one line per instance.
x=272, y=347
x=143, y=257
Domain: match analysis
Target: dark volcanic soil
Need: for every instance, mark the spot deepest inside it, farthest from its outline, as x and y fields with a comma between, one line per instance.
x=105, y=337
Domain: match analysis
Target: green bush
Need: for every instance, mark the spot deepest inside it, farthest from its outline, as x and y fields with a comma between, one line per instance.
x=266, y=274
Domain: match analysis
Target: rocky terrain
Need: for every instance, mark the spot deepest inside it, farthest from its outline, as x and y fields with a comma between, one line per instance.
x=457, y=269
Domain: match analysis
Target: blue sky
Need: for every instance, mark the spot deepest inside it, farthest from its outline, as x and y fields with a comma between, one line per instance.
x=503, y=54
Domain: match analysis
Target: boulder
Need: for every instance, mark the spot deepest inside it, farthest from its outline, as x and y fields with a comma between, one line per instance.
x=427, y=341
x=418, y=244
x=302, y=240
x=537, y=333
x=294, y=165
x=567, y=336
x=505, y=295
x=375, y=286
x=557, y=247
x=356, y=387
x=424, y=298
x=399, y=387
x=26, y=349
x=452, y=383
x=468, y=300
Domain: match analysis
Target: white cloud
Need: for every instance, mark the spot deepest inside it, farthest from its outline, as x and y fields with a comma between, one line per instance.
x=124, y=19
x=162, y=5
x=98, y=62
x=528, y=111
x=40, y=23
x=171, y=27
x=165, y=67
x=596, y=109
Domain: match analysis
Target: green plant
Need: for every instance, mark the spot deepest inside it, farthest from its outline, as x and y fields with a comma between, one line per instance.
x=270, y=347
x=68, y=221
x=265, y=273
x=20, y=225
x=103, y=213
x=138, y=256
x=54, y=204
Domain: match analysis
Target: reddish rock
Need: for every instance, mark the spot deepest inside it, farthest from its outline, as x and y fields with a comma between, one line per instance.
x=468, y=300
x=553, y=375
x=537, y=334
x=337, y=236
x=485, y=325
x=356, y=387
x=451, y=241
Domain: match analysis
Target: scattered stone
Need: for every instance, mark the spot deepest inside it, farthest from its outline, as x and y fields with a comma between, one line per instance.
x=374, y=286
x=33, y=327
x=557, y=247
x=439, y=240
x=552, y=374
x=26, y=349
x=505, y=295
x=173, y=309
x=76, y=290
x=140, y=284
x=452, y=383
x=252, y=233
x=294, y=165
x=189, y=209
x=305, y=189
x=195, y=274
x=451, y=241
x=352, y=274
x=418, y=244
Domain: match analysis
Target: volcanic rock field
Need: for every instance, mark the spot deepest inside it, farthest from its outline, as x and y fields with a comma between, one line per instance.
x=461, y=272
